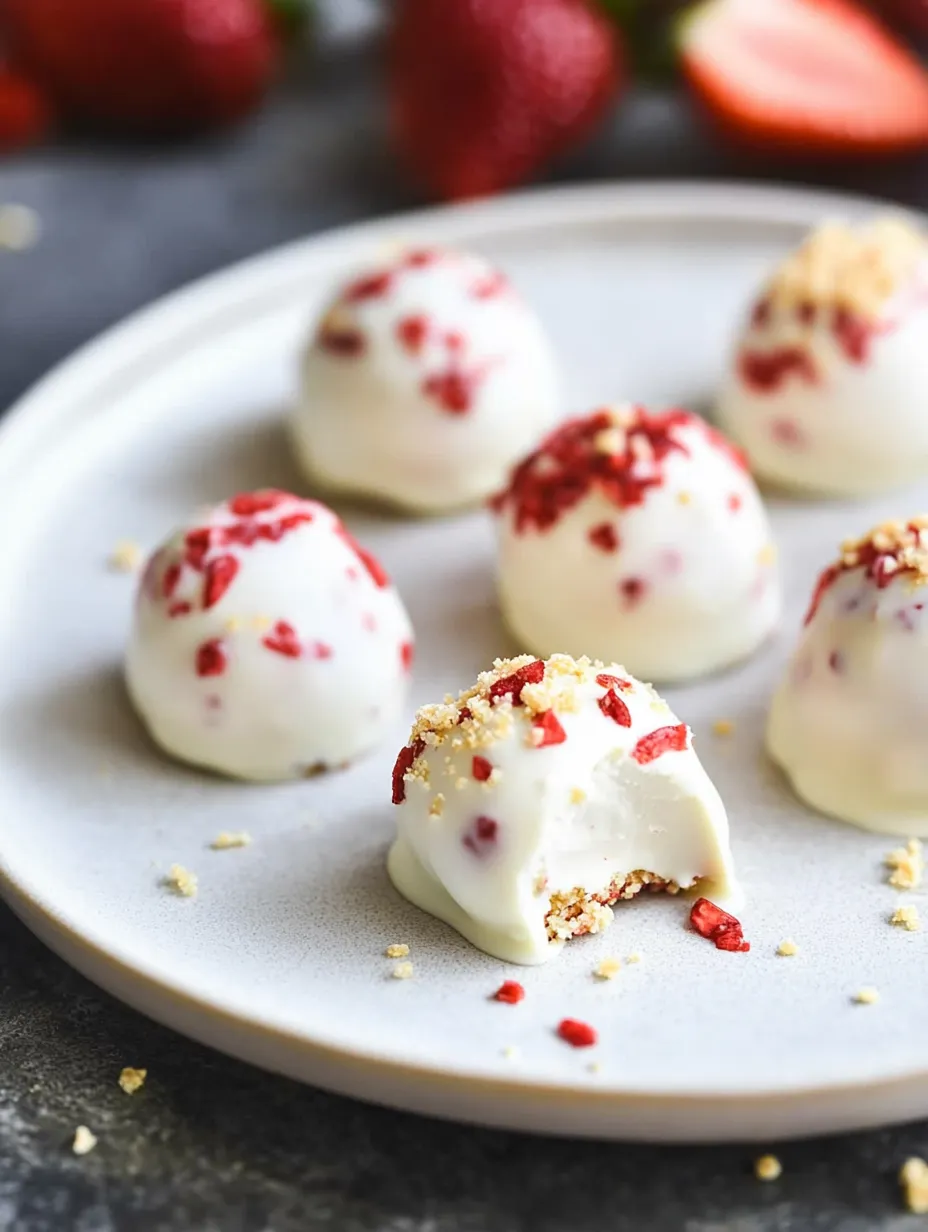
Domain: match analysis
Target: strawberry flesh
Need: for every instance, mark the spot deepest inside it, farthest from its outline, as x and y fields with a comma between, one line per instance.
x=806, y=76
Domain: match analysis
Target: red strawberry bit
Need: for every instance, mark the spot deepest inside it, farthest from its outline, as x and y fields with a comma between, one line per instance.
x=464, y=715
x=568, y=466
x=454, y=341
x=490, y=286
x=412, y=333
x=482, y=836
x=320, y=650
x=836, y=658
x=342, y=340
x=633, y=590
x=170, y=580
x=370, y=562
x=510, y=992
x=283, y=640
x=454, y=389
x=181, y=608
x=407, y=653
x=211, y=658
x=786, y=432
x=420, y=258
x=807, y=312
x=614, y=708
x=369, y=622
x=247, y=504
x=767, y=371
x=403, y=764
x=576, y=1033
x=220, y=574
x=604, y=537
x=196, y=544
x=481, y=769
x=371, y=286
x=663, y=740
x=547, y=729
x=605, y=681
x=512, y=686
x=734, y=502
x=854, y=334
x=718, y=926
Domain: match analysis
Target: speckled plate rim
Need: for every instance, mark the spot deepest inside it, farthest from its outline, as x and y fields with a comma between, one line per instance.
x=137, y=348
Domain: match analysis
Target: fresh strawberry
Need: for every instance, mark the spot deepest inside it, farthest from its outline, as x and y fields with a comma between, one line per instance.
x=484, y=94
x=149, y=66
x=808, y=76
x=25, y=115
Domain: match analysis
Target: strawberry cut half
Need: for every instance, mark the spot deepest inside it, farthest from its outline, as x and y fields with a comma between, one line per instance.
x=805, y=76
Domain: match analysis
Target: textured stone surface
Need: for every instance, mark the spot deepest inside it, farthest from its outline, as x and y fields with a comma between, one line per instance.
x=210, y=1145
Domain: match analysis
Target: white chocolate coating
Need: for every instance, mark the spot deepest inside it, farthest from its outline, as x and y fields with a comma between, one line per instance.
x=520, y=845
x=849, y=721
x=639, y=538
x=828, y=387
x=265, y=644
x=426, y=379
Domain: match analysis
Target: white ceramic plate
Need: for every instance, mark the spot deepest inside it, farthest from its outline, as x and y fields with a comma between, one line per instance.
x=280, y=958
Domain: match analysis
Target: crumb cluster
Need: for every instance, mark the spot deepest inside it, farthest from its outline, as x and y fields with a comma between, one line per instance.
x=856, y=269
x=182, y=881
x=576, y=912
x=906, y=865
x=907, y=918
x=913, y=1177
x=84, y=1141
x=131, y=1079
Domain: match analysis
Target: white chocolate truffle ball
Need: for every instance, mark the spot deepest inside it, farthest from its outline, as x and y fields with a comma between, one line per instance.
x=638, y=537
x=426, y=379
x=829, y=385
x=849, y=721
x=266, y=643
x=544, y=794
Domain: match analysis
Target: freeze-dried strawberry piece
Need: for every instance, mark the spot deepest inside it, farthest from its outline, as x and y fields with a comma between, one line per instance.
x=662, y=740
x=196, y=544
x=547, y=729
x=247, y=504
x=612, y=682
x=220, y=574
x=614, y=708
x=407, y=653
x=512, y=686
x=170, y=580
x=604, y=537
x=510, y=992
x=482, y=836
x=412, y=333
x=372, y=286
x=481, y=768
x=370, y=562
x=211, y=658
x=718, y=926
x=283, y=640
x=404, y=761
x=577, y=1034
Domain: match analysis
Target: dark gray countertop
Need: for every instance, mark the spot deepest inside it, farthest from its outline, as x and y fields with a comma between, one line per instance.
x=211, y=1145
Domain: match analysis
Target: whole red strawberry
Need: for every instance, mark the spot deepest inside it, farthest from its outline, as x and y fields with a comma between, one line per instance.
x=151, y=66
x=484, y=92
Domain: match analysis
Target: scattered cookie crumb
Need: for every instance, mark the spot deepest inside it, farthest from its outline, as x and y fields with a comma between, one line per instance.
x=402, y=971
x=84, y=1141
x=866, y=996
x=577, y=795
x=913, y=1177
x=182, y=881
x=634, y=958
x=907, y=918
x=397, y=951
x=595, y=1067
x=608, y=969
x=723, y=727
x=767, y=1168
x=226, y=840
x=131, y=1080
x=511, y=1052
x=907, y=864
x=786, y=949
x=125, y=557
x=20, y=227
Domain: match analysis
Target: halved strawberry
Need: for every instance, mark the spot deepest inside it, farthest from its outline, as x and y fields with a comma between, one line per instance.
x=809, y=76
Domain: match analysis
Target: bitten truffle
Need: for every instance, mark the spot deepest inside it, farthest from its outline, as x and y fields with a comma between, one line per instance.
x=849, y=721
x=542, y=795
x=637, y=536
x=829, y=382
x=425, y=380
x=265, y=642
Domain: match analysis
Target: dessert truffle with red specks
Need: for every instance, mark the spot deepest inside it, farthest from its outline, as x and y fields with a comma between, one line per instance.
x=829, y=381
x=426, y=378
x=849, y=721
x=638, y=536
x=266, y=643
x=593, y=794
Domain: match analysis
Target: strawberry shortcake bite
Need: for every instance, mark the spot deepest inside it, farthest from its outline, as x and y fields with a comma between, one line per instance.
x=640, y=537
x=424, y=381
x=542, y=795
x=266, y=643
x=829, y=382
x=849, y=722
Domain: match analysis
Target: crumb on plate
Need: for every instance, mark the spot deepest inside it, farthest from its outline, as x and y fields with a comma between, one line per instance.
x=787, y=948
x=866, y=996
x=907, y=864
x=397, y=951
x=132, y=1079
x=913, y=1177
x=723, y=727
x=225, y=840
x=182, y=881
x=84, y=1141
x=402, y=971
x=607, y=969
x=907, y=918
x=125, y=557
x=767, y=1168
